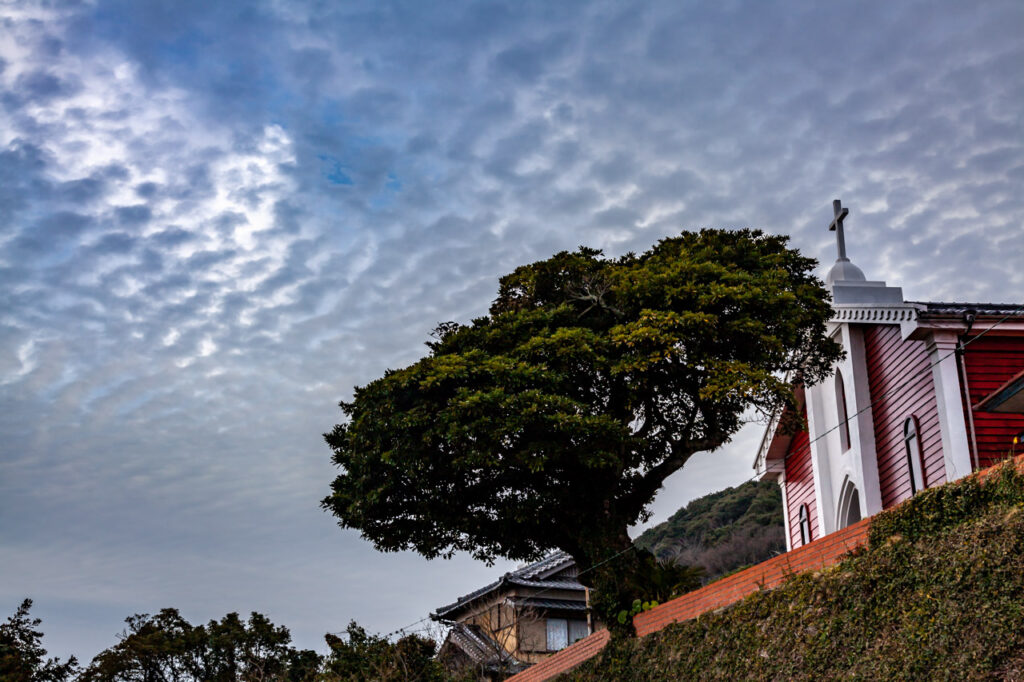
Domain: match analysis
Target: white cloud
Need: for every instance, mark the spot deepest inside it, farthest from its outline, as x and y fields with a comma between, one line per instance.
x=217, y=222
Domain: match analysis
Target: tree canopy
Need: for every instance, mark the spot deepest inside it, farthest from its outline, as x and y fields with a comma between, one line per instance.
x=552, y=421
x=167, y=648
x=22, y=656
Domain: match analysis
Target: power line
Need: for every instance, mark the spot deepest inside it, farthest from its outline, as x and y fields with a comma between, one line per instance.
x=912, y=380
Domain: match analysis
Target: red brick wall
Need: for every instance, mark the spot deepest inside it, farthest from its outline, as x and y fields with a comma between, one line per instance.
x=991, y=361
x=813, y=557
x=800, y=487
x=901, y=384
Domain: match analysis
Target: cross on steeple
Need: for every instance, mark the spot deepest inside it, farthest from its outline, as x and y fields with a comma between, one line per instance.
x=837, y=226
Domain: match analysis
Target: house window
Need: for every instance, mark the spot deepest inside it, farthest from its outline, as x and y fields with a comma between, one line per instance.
x=562, y=632
x=912, y=444
x=805, y=525
x=577, y=630
x=844, y=424
x=558, y=634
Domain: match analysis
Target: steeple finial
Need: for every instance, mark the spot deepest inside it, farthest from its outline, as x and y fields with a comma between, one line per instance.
x=843, y=270
x=837, y=226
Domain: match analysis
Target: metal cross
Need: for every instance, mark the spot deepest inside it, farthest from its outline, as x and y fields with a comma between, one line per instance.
x=837, y=226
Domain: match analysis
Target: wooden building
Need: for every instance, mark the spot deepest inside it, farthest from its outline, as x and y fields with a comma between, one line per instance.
x=519, y=619
x=927, y=393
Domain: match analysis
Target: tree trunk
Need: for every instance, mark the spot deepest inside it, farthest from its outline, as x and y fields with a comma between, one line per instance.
x=617, y=573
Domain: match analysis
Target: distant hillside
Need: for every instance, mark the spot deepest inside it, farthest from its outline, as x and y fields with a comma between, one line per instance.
x=722, y=531
x=938, y=594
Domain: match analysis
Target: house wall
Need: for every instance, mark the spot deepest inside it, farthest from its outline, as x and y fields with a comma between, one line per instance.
x=800, y=487
x=901, y=385
x=531, y=635
x=990, y=362
x=496, y=619
x=532, y=639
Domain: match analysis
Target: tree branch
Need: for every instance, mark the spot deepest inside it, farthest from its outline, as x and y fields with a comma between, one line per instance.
x=649, y=483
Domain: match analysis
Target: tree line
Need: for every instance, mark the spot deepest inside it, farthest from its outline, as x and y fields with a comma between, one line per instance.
x=165, y=647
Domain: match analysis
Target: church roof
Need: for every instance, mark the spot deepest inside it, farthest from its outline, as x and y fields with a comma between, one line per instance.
x=959, y=309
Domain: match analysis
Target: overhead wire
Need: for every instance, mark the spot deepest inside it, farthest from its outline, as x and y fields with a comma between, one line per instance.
x=918, y=376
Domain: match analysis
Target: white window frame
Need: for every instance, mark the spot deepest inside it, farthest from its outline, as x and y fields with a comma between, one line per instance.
x=841, y=411
x=912, y=448
x=804, y=525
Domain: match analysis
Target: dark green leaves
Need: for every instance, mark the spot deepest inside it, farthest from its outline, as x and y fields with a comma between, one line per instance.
x=557, y=416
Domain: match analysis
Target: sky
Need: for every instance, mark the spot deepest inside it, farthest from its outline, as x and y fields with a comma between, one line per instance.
x=218, y=218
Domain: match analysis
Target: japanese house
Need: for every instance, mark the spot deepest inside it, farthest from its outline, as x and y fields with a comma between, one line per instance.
x=519, y=619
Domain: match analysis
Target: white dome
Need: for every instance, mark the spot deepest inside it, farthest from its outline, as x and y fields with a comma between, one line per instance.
x=844, y=271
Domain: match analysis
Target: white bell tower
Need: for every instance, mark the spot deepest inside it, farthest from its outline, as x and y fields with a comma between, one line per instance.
x=840, y=424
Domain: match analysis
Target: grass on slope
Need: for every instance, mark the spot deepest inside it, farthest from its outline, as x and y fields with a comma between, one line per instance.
x=938, y=595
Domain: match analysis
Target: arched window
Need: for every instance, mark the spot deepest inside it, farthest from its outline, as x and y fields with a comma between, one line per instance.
x=849, y=505
x=912, y=444
x=844, y=424
x=805, y=525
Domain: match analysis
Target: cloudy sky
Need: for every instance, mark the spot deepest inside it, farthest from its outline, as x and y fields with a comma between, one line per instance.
x=216, y=218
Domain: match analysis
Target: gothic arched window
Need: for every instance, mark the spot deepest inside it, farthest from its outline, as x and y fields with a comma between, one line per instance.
x=844, y=424
x=912, y=444
x=805, y=525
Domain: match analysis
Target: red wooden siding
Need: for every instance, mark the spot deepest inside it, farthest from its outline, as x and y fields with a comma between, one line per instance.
x=800, y=487
x=901, y=384
x=991, y=361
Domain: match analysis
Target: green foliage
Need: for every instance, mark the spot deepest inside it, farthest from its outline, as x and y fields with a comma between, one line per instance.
x=639, y=578
x=167, y=647
x=552, y=421
x=361, y=656
x=935, y=508
x=22, y=656
x=722, y=531
x=938, y=595
x=638, y=607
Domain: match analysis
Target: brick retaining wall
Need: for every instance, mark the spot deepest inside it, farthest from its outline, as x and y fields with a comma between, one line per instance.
x=814, y=556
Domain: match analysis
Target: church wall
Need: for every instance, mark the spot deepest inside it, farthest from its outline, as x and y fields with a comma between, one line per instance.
x=800, y=488
x=901, y=386
x=991, y=361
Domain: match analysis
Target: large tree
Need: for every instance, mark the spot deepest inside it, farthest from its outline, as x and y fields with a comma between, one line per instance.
x=552, y=421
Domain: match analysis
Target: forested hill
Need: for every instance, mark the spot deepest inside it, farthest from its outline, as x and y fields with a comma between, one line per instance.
x=722, y=531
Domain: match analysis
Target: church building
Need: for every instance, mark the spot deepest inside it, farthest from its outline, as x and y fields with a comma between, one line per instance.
x=927, y=393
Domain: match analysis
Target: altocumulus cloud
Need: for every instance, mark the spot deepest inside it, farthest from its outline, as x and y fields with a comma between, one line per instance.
x=215, y=220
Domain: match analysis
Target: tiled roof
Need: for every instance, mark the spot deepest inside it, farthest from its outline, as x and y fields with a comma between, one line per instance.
x=546, y=584
x=471, y=641
x=939, y=308
x=560, y=604
x=531, y=575
x=545, y=567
